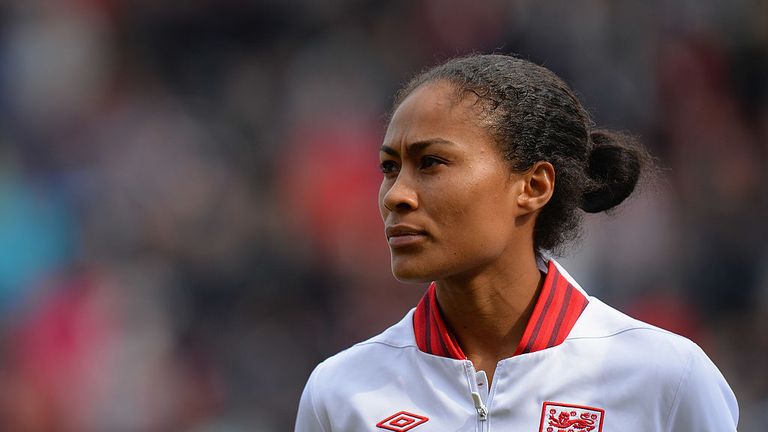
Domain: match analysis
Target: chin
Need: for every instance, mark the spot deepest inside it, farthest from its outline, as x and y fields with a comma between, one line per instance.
x=409, y=270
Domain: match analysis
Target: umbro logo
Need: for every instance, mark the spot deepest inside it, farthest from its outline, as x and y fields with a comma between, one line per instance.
x=402, y=421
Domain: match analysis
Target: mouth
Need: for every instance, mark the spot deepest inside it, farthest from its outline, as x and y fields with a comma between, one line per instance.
x=399, y=236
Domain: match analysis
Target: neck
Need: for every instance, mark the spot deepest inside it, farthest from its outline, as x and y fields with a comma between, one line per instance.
x=489, y=310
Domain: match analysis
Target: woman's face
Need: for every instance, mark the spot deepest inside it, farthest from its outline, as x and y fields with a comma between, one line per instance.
x=448, y=197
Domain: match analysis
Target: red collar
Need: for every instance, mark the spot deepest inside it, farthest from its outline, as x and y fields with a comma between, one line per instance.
x=558, y=307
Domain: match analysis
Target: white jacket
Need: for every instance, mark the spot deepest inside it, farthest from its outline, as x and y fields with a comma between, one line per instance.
x=582, y=366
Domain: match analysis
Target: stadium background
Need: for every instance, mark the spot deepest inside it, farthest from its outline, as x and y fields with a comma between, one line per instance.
x=188, y=218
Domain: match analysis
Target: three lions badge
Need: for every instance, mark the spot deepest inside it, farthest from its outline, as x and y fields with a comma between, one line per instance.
x=560, y=417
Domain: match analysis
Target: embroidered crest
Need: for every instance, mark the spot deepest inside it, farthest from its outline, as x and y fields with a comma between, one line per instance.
x=560, y=417
x=402, y=421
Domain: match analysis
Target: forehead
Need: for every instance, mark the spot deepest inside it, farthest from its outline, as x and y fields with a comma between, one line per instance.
x=434, y=110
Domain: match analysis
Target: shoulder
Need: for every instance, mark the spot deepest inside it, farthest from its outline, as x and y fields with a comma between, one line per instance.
x=632, y=347
x=387, y=349
x=673, y=368
x=602, y=324
x=601, y=327
x=339, y=378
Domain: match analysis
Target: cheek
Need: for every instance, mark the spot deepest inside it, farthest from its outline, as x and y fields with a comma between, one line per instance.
x=479, y=210
x=383, y=191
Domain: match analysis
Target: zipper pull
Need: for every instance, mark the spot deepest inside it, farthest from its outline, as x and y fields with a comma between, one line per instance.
x=482, y=411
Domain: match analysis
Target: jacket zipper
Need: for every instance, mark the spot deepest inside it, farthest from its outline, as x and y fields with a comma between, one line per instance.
x=477, y=399
x=482, y=411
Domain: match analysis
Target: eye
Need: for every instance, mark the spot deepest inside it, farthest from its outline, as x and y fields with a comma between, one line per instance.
x=427, y=162
x=388, y=167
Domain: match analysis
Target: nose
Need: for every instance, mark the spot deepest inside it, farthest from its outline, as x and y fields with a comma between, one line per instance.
x=401, y=196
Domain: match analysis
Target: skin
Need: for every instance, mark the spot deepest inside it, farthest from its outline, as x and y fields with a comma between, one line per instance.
x=463, y=218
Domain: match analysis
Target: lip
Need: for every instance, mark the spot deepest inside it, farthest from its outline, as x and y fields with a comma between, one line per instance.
x=402, y=235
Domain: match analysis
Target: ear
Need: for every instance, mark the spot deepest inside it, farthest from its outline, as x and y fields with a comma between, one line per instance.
x=538, y=187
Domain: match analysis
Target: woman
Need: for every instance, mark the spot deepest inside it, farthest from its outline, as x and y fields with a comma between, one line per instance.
x=488, y=161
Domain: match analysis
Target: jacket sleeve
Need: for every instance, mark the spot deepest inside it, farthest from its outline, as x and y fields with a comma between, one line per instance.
x=704, y=401
x=308, y=419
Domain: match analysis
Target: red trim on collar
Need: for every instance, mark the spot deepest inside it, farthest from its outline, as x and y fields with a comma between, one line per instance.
x=432, y=335
x=558, y=307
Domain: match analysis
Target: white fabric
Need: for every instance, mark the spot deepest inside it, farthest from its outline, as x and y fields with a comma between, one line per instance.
x=644, y=378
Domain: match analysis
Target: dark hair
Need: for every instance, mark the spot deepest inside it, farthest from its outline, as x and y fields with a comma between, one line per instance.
x=534, y=116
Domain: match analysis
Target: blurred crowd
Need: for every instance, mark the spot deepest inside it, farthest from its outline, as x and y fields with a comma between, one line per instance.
x=188, y=219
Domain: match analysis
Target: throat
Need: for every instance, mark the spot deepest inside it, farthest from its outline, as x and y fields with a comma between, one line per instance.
x=489, y=330
x=488, y=367
x=485, y=351
x=488, y=324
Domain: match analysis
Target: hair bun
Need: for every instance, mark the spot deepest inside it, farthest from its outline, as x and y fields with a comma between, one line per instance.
x=615, y=163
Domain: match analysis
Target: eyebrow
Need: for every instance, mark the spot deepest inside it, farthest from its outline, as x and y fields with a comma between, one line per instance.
x=415, y=147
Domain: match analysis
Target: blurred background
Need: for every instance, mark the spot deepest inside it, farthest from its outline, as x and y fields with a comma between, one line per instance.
x=188, y=219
